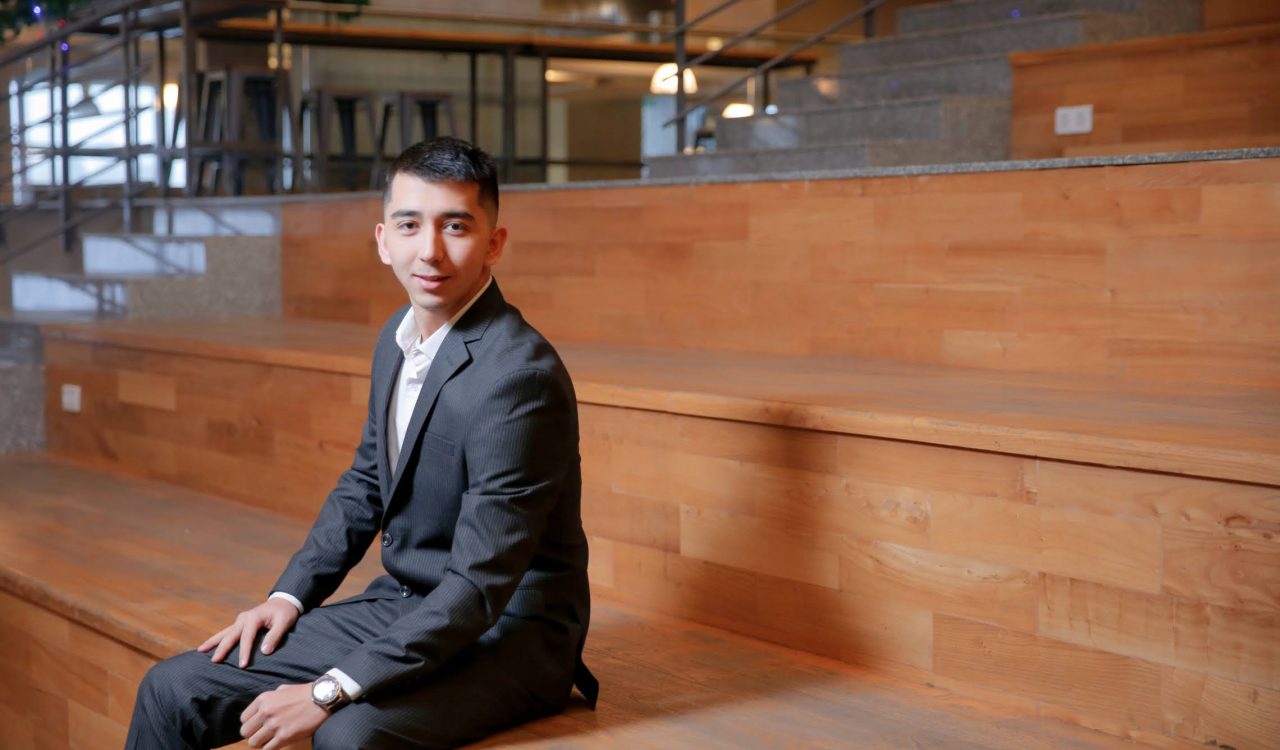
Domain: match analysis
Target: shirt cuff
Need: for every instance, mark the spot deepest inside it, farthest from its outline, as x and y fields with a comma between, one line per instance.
x=288, y=598
x=349, y=686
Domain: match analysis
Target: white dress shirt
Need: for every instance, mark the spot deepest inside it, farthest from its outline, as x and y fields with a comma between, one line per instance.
x=418, y=356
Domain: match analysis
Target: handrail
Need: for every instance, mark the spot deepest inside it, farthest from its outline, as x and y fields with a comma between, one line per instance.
x=870, y=7
x=117, y=18
x=65, y=32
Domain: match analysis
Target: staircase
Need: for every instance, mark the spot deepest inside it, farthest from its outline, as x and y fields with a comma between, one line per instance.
x=936, y=93
x=205, y=258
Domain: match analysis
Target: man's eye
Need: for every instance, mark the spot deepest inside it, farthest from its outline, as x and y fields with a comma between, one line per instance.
x=408, y=226
x=455, y=226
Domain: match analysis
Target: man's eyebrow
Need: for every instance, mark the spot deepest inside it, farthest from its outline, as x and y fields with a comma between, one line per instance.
x=459, y=214
x=406, y=213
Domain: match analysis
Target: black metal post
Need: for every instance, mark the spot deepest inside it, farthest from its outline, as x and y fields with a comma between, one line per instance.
x=277, y=37
x=162, y=143
x=869, y=21
x=64, y=204
x=474, y=103
x=545, y=104
x=681, y=135
x=187, y=92
x=130, y=107
x=509, y=113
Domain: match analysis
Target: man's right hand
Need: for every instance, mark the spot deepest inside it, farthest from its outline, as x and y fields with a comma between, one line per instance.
x=276, y=615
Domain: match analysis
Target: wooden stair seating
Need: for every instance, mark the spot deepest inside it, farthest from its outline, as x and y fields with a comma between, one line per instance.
x=1012, y=436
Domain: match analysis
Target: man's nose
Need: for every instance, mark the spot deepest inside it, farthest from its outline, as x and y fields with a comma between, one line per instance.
x=432, y=248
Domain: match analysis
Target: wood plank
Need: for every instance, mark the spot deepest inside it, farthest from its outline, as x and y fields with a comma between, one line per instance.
x=1186, y=92
x=87, y=630
x=1014, y=271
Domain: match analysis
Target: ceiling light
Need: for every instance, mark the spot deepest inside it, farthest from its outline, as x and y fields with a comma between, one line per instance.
x=664, y=80
x=734, y=110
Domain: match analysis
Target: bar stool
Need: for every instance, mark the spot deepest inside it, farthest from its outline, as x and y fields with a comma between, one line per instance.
x=428, y=105
x=343, y=102
x=223, y=123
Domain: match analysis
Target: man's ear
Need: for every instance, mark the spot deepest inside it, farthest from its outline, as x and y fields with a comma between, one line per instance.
x=497, y=243
x=378, y=231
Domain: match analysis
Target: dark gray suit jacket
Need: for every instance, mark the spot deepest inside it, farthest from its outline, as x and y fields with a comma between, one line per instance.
x=479, y=522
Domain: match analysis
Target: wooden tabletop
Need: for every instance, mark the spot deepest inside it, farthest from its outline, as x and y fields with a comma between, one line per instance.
x=1226, y=432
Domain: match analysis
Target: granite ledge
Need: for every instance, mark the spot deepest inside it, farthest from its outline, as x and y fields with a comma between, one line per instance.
x=1268, y=152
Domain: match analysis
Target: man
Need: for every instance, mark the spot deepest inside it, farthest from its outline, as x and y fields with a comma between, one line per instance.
x=468, y=472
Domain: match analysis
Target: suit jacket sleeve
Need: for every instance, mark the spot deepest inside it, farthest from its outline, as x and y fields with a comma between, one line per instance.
x=344, y=529
x=518, y=449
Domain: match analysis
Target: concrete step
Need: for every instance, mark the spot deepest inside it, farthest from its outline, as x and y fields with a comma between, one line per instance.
x=987, y=75
x=21, y=387
x=933, y=118
x=241, y=277
x=949, y=15
x=1045, y=32
x=206, y=217
x=21, y=407
x=142, y=254
x=806, y=161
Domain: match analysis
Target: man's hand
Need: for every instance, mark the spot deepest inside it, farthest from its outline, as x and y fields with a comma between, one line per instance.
x=281, y=716
x=276, y=615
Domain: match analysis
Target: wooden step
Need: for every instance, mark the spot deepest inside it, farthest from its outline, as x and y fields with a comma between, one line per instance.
x=140, y=371
x=1055, y=543
x=101, y=576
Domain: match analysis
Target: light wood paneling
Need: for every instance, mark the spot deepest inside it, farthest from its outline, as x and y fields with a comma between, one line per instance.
x=288, y=397
x=80, y=631
x=1192, y=92
x=1161, y=272
x=1221, y=14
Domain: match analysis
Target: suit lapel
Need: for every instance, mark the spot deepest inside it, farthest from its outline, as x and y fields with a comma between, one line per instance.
x=454, y=354
x=386, y=369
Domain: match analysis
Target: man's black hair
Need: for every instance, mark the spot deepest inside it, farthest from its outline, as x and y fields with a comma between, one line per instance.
x=447, y=159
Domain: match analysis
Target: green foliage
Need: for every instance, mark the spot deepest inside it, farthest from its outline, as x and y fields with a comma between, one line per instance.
x=17, y=14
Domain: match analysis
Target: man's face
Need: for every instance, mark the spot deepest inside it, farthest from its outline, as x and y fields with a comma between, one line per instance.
x=439, y=241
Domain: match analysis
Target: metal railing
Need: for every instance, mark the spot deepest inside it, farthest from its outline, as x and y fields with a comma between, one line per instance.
x=75, y=57
x=761, y=72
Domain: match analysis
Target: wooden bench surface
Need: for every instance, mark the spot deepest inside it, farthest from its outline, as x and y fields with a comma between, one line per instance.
x=157, y=568
x=1219, y=431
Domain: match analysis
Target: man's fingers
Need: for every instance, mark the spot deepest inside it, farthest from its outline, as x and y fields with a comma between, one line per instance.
x=224, y=646
x=277, y=630
x=247, y=633
x=248, y=713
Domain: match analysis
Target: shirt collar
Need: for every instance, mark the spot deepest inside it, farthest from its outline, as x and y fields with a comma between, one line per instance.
x=407, y=336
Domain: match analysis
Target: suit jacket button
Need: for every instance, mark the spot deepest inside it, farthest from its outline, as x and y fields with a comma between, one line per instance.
x=386, y=540
x=405, y=592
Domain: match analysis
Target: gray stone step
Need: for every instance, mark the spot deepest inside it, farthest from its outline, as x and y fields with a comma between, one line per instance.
x=142, y=254
x=807, y=160
x=949, y=15
x=987, y=75
x=950, y=118
x=1156, y=16
x=206, y=217
x=1046, y=32
x=242, y=277
x=21, y=407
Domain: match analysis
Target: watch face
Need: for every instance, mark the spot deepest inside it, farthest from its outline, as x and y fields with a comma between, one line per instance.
x=324, y=690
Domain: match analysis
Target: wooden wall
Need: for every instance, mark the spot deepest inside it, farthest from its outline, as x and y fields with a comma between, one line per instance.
x=1139, y=603
x=1144, y=605
x=272, y=436
x=1190, y=92
x=1220, y=14
x=1164, y=271
x=63, y=685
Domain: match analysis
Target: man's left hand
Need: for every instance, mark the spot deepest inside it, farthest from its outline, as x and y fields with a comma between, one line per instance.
x=280, y=717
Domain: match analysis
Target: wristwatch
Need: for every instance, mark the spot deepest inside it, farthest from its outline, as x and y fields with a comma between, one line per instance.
x=328, y=694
